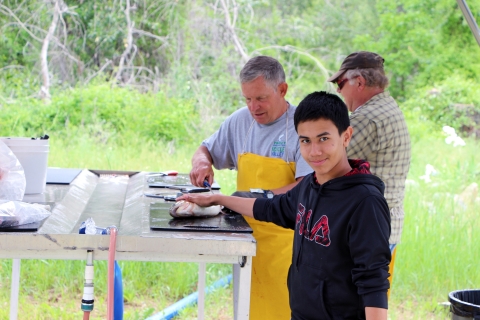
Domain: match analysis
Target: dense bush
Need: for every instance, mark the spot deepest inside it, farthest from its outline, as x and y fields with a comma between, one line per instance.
x=454, y=102
x=423, y=42
x=102, y=110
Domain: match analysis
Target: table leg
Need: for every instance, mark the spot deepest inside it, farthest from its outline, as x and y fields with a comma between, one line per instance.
x=235, y=279
x=15, y=289
x=201, y=289
x=242, y=276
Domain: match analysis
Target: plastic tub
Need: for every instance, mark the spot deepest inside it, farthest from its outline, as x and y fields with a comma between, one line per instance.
x=465, y=304
x=25, y=142
x=33, y=156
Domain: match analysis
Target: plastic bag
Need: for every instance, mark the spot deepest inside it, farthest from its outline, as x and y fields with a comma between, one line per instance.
x=88, y=227
x=16, y=213
x=12, y=176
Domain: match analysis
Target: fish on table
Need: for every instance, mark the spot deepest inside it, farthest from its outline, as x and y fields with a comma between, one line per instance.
x=185, y=209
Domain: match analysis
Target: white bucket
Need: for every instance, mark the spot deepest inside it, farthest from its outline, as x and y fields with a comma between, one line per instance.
x=33, y=156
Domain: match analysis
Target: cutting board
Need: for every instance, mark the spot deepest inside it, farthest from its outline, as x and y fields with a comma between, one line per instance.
x=61, y=175
x=29, y=227
x=160, y=219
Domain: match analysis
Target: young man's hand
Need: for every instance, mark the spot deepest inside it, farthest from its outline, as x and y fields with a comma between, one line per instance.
x=240, y=205
x=202, y=199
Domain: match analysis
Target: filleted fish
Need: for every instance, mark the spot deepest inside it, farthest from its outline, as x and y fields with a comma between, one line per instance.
x=185, y=209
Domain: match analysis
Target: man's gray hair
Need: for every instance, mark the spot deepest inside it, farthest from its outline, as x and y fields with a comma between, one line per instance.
x=268, y=67
x=374, y=77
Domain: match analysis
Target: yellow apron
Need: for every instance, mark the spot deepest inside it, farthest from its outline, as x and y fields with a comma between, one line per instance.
x=390, y=270
x=269, y=293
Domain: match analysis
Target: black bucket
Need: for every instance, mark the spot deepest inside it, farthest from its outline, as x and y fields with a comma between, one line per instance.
x=465, y=304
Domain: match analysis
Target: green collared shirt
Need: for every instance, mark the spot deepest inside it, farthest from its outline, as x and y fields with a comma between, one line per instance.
x=381, y=137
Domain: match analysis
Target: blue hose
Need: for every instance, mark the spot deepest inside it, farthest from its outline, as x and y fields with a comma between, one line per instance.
x=175, y=308
x=118, y=294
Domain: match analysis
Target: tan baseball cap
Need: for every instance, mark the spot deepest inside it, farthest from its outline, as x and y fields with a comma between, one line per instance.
x=358, y=60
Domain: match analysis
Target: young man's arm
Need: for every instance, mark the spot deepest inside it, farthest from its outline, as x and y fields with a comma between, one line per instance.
x=372, y=313
x=370, y=230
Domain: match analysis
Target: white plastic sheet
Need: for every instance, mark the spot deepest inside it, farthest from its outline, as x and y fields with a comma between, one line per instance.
x=16, y=213
x=12, y=176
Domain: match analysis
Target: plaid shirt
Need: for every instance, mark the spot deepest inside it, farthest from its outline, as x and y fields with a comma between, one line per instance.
x=380, y=136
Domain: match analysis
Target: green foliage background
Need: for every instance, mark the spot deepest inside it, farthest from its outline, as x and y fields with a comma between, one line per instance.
x=101, y=110
x=180, y=82
x=185, y=50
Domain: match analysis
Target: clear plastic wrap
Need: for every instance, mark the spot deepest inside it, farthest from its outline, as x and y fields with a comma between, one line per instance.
x=16, y=213
x=12, y=176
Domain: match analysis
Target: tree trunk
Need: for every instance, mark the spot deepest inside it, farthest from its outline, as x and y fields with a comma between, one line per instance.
x=45, y=89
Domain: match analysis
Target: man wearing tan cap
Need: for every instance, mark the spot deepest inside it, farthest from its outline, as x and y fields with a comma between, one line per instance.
x=380, y=133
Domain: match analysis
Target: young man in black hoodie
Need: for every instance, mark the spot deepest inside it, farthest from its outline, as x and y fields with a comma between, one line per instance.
x=341, y=220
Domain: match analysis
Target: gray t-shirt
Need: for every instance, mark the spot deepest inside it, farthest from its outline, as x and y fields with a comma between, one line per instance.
x=268, y=140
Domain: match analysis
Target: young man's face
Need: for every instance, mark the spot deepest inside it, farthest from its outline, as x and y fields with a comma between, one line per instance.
x=324, y=149
x=264, y=102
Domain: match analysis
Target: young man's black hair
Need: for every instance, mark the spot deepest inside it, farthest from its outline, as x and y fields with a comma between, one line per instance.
x=332, y=108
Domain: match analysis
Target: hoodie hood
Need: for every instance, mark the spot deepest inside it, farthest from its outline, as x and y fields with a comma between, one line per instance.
x=360, y=174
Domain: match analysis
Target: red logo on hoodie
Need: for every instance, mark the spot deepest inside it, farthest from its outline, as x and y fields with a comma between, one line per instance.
x=320, y=233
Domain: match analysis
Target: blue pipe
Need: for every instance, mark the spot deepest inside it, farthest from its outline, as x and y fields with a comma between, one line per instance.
x=117, y=293
x=175, y=308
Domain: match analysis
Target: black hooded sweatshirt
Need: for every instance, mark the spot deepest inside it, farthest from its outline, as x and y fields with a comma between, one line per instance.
x=340, y=248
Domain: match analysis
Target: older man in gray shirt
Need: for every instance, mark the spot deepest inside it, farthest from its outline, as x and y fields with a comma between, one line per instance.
x=260, y=141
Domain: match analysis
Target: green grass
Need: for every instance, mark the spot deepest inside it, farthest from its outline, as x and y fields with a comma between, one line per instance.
x=80, y=150
x=440, y=241
x=52, y=289
x=438, y=253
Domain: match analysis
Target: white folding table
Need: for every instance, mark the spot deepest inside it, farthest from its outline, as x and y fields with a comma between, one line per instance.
x=117, y=198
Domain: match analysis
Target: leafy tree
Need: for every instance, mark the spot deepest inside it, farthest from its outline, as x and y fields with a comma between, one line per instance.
x=422, y=42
